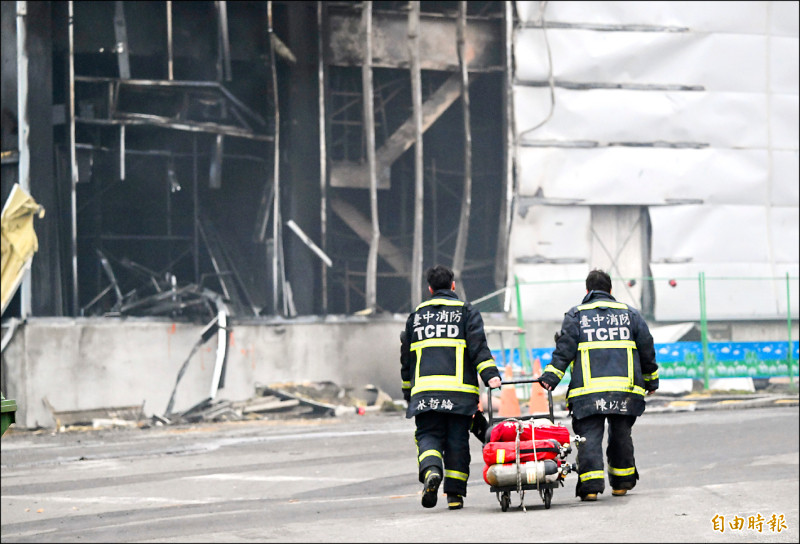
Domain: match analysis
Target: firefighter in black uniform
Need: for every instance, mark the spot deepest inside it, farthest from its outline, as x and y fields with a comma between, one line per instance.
x=443, y=350
x=613, y=359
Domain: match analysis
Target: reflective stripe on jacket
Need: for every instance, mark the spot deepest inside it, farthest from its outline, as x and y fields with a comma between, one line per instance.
x=612, y=355
x=442, y=352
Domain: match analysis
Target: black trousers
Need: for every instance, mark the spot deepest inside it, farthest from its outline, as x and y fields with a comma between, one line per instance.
x=443, y=442
x=622, y=472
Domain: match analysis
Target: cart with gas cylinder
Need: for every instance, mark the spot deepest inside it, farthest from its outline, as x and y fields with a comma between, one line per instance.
x=525, y=453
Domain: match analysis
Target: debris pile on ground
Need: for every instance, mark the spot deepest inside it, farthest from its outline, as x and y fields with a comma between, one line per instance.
x=115, y=416
x=290, y=400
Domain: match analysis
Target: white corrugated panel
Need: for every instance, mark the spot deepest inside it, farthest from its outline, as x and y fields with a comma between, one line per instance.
x=644, y=175
x=711, y=234
x=719, y=75
x=551, y=232
x=784, y=69
x=785, y=173
x=722, y=119
x=734, y=291
x=718, y=62
x=547, y=291
x=784, y=18
x=784, y=121
x=783, y=222
x=747, y=17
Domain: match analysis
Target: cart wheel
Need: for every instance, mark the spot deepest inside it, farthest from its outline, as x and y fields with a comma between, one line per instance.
x=505, y=501
x=548, y=496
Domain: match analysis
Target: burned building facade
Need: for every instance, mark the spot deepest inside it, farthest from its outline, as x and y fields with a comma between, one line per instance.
x=296, y=158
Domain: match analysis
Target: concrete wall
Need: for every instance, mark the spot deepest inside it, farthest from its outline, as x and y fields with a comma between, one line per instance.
x=89, y=363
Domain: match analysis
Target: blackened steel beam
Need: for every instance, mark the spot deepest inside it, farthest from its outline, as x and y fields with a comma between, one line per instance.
x=466, y=198
x=323, y=152
x=484, y=41
x=121, y=35
x=344, y=174
x=169, y=41
x=416, y=95
x=354, y=219
x=165, y=122
x=369, y=127
x=509, y=155
x=73, y=162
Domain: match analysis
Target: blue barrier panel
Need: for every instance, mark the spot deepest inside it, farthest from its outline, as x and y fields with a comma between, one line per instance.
x=685, y=359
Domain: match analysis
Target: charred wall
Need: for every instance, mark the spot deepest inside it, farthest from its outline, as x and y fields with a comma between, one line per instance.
x=175, y=161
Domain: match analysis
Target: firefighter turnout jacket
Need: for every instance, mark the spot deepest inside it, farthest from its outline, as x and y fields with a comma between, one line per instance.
x=443, y=350
x=610, y=351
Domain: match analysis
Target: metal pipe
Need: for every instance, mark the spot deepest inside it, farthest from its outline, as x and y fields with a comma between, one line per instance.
x=169, y=40
x=506, y=211
x=196, y=213
x=323, y=152
x=789, y=327
x=276, y=220
x=701, y=278
x=121, y=35
x=122, y=152
x=416, y=94
x=224, y=42
x=466, y=199
x=23, y=131
x=73, y=163
x=309, y=242
x=369, y=129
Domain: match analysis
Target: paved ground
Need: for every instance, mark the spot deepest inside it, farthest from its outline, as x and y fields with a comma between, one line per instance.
x=353, y=479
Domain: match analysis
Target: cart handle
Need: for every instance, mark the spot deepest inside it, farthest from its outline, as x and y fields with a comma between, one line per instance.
x=521, y=380
x=493, y=419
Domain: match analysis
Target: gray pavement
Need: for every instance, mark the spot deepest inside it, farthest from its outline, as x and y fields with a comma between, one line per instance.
x=352, y=479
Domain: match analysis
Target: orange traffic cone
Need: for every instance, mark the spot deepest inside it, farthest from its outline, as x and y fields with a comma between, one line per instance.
x=538, y=402
x=509, y=403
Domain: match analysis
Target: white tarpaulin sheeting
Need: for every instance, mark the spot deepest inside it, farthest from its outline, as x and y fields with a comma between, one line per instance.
x=688, y=108
x=646, y=175
x=551, y=233
x=777, y=18
x=715, y=62
x=734, y=291
x=620, y=115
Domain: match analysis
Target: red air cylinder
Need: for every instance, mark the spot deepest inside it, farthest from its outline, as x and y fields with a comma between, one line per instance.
x=507, y=432
x=505, y=452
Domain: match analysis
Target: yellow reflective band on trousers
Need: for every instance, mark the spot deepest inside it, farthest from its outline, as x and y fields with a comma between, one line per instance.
x=603, y=304
x=486, y=364
x=440, y=302
x=439, y=382
x=428, y=453
x=554, y=370
x=606, y=383
x=456, y=475
x=593, y=475
x=621, y=471
x=636, y=390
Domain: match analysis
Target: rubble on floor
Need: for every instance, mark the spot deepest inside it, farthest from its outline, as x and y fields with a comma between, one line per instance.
x=275, y=401
x=290, y=400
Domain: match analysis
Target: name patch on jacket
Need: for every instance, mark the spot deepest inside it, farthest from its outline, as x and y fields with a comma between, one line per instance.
x=616, y=327
x=439, y=324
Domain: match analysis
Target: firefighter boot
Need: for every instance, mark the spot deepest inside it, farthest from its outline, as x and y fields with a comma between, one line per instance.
x=622, y=490
x=589, y=497
x=429, y=495
x=455, y=501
